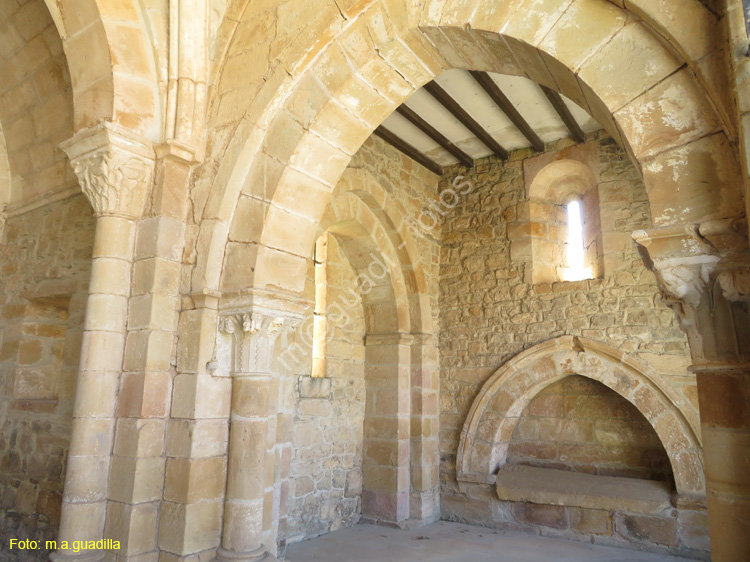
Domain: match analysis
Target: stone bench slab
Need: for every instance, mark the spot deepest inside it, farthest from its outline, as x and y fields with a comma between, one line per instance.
x=559, y=487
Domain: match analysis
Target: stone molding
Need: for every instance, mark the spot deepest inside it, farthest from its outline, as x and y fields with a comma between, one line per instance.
x=498, y=407
x=178, y=151
x=254, y=337
x=396, y=338
x=46, y=198
x=114, y=167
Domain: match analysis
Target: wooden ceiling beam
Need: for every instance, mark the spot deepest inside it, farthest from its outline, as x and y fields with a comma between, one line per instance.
x=562, y=110
x=400, y=144
x=507, y=107
x=435, y=135
x=466, y=120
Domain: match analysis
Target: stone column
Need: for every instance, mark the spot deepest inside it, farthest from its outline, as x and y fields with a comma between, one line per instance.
x=197, y=437
x=425, y=414
x=254, y=401
x=703, y=272
x=137, y=473
x=386, y=476
x=114, y=167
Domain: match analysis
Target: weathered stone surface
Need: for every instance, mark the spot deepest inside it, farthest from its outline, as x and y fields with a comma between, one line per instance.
x=557, y=487
x=636, y=528
x=500, y=317
x=276, y=96
x=50, y=250
x=553, y=516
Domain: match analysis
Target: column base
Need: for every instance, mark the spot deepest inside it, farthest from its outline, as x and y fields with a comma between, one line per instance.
x=82, y=556
x=223, y=555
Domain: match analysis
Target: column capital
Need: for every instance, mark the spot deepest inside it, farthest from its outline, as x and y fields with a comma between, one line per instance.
x=254, y=336
x=703, y=272
x=735, y=284
x=114, y=167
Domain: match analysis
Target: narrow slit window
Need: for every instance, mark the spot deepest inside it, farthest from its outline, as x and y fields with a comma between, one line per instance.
x=320, y=322
x=575, y=269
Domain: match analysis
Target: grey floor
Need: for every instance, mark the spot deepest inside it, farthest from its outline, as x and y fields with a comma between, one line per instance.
x=445, y=542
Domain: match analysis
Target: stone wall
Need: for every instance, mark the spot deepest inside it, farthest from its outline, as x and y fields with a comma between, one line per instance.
x=45, y=263
x=580, y=425
x=415, y=190
x=490, y=311
x=326, y=468
x=327, y=462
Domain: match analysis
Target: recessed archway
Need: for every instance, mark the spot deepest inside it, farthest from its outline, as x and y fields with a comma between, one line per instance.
x=398, y=319
x=496, y=410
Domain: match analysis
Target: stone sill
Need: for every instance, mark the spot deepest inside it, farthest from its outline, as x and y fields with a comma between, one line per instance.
x=559, y=487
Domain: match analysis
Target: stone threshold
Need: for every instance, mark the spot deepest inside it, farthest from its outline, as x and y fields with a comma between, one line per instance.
x=574, y=489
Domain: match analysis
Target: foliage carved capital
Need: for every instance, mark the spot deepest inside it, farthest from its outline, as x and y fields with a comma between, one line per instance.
x=114, y=167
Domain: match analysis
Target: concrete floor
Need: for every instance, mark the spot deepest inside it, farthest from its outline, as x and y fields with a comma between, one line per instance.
x=443, y=541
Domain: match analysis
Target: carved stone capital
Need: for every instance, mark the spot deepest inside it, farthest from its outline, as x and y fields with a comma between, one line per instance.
x=114, y=167
x=735, y=284
x=703, y=272
x=254, y=339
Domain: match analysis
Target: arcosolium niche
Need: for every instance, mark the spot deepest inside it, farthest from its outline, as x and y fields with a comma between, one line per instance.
x=562, y=237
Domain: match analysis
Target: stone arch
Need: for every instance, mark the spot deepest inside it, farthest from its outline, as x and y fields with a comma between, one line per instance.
x=496, y=410
x=361, y=199
x=111, y=60
x=378, y=59
x=37, y=108
x=557, y=178
x=360, y=215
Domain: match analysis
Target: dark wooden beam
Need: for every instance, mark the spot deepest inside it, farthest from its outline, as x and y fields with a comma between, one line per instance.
x=435, y=135
x=505, y=105
x=564, y=113
x=399, y=144
x=466, y=120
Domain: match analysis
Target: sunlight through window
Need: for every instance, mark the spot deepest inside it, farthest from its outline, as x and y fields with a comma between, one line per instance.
x=575, y=269
x=320, y=322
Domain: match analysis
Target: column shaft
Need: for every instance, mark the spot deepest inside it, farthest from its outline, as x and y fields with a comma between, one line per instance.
x=724, y=397
x=85, y=494
x=243, y=506
x=386, y=471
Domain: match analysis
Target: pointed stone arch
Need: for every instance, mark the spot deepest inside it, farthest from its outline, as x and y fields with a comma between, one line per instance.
x=379, y=58
x=493, y=416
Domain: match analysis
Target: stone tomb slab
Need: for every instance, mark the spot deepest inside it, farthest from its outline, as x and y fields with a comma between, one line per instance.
x=559, y=487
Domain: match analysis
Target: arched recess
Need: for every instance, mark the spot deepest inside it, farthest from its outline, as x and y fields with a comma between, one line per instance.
x=111, y=60
x=292, y=155
x=399, y=460
x=359, y=197
x=551, y=189
x=501, y=401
